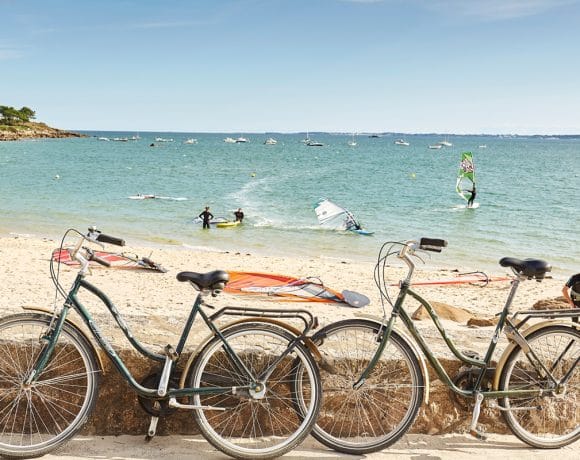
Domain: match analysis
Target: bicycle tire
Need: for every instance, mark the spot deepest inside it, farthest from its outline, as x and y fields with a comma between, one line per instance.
x=255, y=428
x=551, y=420
x=376, y=415
x=41, y=417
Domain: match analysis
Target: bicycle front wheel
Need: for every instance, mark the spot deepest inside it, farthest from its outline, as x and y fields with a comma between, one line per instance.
x=261, y=422
x=551, y=419
x=376, y=415
x=39, y=417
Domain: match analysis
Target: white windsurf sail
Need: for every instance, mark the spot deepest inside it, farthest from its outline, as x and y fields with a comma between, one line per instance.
x=333, y=216
x=465, y=176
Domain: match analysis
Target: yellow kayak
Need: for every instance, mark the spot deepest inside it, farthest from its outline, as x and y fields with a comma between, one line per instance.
x=227, y=224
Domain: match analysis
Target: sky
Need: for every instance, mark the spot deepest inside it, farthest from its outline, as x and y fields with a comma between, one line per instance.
x=243, y=66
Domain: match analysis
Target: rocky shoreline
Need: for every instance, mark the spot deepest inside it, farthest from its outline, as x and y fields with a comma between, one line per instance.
x=33, y=130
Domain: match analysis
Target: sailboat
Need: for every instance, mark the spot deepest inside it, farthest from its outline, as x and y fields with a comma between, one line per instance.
x=335, y=217
x=465, y=185
x=445, y=143
x=352, y=142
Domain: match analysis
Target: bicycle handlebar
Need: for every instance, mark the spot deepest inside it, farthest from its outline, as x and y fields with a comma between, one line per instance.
x=432, y=244
x=96, y=235
x=99, y=260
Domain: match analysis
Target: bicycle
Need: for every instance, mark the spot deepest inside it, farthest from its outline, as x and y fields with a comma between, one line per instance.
x=239, y=385
x=375, y=378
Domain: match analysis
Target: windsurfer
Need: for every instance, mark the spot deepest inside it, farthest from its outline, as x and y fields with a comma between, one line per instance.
x=206, y=216
x=472, y=197
x=571, y=290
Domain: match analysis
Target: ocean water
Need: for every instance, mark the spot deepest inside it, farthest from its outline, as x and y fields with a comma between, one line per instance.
x=528, y=191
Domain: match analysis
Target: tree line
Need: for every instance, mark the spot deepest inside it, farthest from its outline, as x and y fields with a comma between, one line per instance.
x=12, y=116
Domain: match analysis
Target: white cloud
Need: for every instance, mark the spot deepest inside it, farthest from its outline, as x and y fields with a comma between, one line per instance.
x=497, y=9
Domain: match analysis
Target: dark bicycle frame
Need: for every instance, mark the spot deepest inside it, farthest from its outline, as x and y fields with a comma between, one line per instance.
x=485, y=364
x=72, y=302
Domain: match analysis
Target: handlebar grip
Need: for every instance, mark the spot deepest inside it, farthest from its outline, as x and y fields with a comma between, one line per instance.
x=432, y=244
x=103, y=262
x=110, y=239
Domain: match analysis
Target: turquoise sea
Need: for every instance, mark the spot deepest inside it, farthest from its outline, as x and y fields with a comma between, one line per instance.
x=528, y=191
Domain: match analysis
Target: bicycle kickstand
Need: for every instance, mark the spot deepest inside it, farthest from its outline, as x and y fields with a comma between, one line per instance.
x=473, y=431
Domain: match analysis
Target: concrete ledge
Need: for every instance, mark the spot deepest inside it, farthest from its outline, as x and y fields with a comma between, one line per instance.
x=118, y=411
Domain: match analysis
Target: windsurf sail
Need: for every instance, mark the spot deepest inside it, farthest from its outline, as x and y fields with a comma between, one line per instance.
x=465, y=176
x=291, y=289
x=117, y=260
x=481, y=279
x=333, y=216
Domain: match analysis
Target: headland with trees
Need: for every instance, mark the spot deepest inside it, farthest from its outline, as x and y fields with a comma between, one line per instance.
x=17, y=124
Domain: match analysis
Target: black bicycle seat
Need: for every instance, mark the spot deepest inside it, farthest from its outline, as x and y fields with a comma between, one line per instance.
x=211, y=280
x=530, y=268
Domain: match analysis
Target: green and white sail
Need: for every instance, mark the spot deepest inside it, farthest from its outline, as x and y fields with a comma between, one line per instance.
x=465, y=176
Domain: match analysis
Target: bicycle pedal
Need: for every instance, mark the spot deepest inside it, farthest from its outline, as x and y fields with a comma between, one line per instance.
x=478, y=435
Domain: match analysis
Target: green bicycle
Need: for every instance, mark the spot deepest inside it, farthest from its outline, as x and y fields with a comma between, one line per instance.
x=240, y=387
x=375, y=379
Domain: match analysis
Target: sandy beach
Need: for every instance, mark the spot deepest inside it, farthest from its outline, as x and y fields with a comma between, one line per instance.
x=155, y=305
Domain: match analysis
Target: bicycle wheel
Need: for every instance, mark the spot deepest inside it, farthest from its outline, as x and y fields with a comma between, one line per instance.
x=38, y=418
x=261, y=423
x=376, y=415
x=552, y=419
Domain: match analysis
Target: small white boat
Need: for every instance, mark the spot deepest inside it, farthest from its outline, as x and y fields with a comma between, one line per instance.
x=314, y=144
x=401, y=142
x=435, y=147
x=162, y=139
x=190, y=141
x=104, y=139
x=352, y=142
x=241, y=140
x=229, y=140
x=445, y=143
x=270, y=141
x=483, y=146
x=306, y=140
x=120, y=139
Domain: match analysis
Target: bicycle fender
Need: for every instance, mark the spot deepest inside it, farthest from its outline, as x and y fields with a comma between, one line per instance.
x=73, y=324
x=413, y=347
x=512, y=345
x=294, y=331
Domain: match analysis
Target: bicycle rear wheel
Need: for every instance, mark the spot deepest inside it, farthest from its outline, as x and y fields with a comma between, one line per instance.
x=39, y=417
x=261, y=423
x=552, y=419
x=376, y=415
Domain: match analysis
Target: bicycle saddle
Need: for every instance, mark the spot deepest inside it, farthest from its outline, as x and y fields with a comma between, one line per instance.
x=531, y=268
x=215, y=280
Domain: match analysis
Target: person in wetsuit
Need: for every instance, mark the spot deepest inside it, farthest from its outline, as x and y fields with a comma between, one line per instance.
x=239, y=215
x=206, y=216
x=472, y=197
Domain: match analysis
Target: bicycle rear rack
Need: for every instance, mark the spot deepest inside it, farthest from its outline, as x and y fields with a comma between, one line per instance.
x=310, y=321
x=572, y=313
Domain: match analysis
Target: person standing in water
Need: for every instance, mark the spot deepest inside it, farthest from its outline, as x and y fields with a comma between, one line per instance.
x=239, y=215
x=472, y=197
x=206, y=217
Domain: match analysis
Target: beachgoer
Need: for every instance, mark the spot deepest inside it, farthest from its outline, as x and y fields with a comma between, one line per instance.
x=206, y=216
x=571, y=290
x=472, y=197
x=239, y=215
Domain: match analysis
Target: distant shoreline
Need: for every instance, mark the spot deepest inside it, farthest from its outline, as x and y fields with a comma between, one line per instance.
x=33, y=130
